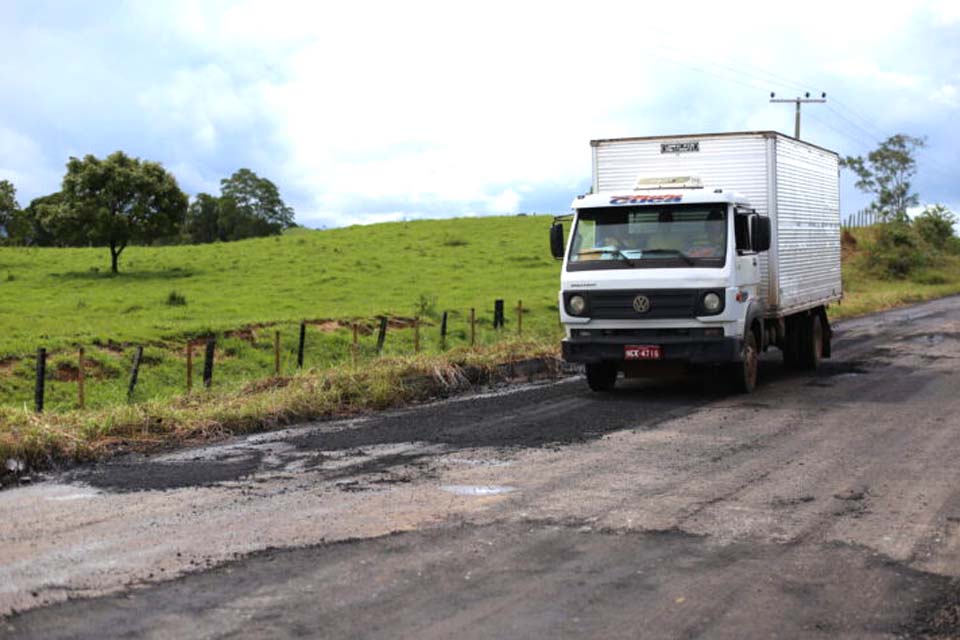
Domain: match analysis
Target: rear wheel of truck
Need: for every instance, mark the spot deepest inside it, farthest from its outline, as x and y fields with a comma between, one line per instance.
x=811, y=342
x=744, y=374
x=602, y=376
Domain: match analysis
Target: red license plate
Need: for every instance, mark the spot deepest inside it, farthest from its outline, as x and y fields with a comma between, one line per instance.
x=642, y=352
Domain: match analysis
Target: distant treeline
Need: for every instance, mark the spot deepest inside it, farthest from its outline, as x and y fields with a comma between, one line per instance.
x=119, y=200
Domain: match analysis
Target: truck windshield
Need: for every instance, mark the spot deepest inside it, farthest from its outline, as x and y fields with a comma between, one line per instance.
x=649, y=236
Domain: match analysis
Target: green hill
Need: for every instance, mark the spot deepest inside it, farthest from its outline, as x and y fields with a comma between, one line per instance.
x=64, y=298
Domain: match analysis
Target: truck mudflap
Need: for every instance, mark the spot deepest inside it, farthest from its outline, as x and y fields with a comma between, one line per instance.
x=594, y=349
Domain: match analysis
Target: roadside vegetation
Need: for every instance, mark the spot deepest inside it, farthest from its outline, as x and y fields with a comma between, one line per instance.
x=893, y=264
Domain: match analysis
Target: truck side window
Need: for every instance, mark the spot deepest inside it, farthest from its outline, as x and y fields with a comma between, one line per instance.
x=741, y=227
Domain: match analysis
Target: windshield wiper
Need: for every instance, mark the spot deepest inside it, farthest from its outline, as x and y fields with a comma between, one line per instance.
x=675, y=252
x=609, y=250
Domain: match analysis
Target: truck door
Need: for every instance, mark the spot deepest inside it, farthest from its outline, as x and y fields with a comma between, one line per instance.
x=746, y=260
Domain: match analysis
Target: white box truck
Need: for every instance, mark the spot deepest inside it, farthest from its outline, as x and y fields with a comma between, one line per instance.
x=700, y=251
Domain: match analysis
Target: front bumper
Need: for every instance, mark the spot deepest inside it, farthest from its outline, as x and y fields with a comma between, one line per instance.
x=682, y=349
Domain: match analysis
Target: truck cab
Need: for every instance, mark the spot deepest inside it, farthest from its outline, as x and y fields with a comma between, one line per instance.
x=662, y=276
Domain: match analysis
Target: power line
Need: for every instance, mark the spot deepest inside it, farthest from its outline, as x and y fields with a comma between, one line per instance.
x=859, y=142
x=869, y=136
x=864, y=120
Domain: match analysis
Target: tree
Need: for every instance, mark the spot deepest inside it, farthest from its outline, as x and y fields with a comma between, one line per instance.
x=31, y=226
x=886, y=172
x=252, y=206
x=203, y=219
x=8, y=207
x=118, y=201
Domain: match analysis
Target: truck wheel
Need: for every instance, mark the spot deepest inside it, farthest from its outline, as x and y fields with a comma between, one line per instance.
x=744, y=374
x=811, y=342
x=602, y=376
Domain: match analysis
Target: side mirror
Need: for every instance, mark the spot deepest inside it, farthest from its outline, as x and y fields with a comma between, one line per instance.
x=760, y=233
x=556, y=240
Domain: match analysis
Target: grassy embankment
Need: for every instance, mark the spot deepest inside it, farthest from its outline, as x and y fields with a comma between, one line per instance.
x=865, y=291
x=243, y=292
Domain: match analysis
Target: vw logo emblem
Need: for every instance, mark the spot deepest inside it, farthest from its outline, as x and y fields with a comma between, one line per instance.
x=641, y=304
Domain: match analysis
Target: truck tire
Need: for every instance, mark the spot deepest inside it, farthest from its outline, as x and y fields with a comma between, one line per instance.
x=810, y=345
x=602, y=376
x=743, y=375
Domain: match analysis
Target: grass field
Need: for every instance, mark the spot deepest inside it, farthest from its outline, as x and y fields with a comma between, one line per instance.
x=64, y=298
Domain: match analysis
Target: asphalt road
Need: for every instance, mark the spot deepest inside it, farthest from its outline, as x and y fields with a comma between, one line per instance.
x=824, y=505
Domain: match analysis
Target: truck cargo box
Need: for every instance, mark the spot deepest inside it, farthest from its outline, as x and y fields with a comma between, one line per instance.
x=795, y=183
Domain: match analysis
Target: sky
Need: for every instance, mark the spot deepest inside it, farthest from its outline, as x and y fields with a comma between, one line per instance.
x=365, y=112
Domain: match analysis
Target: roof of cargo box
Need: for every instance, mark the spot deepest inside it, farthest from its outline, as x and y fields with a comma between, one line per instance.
x=732, y=134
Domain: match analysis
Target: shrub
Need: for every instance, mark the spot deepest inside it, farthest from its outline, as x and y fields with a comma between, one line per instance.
x=897, y=251
x=935, y=226
x=176, y=300
x=929, y=277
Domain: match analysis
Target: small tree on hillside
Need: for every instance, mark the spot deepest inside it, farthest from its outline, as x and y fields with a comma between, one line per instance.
x=120, y=200
x=886, y=172
x=8, y=207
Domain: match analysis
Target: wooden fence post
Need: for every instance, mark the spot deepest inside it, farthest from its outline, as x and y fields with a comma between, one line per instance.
x=443, y=331
x=356, y=342
x=134, y=373
x=81, y=400
x=41, y=379
x=473, y=326
x=189, y=366
x=276, y=353
x=382, y=335
x=303, y=339
x=208, y=363
x=519, y=317
x=498, y=314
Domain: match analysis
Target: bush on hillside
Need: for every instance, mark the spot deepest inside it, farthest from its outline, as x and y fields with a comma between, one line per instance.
x=897, y=250
x=935, y=226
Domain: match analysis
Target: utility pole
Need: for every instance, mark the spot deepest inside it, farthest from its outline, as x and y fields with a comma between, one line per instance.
x=798, y=100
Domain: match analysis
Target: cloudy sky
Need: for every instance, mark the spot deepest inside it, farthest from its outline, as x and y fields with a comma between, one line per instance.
x=369, y=111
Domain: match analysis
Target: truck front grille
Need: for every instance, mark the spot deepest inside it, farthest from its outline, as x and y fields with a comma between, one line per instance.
x=619, y=304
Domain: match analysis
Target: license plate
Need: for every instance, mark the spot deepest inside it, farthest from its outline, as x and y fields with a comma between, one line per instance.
x=642, y=352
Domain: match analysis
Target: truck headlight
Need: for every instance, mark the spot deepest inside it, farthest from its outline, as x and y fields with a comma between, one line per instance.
x=576, y=305
x=712, y=302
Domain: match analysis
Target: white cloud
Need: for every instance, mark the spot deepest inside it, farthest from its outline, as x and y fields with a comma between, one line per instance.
x=22, y=162
x=947, y=95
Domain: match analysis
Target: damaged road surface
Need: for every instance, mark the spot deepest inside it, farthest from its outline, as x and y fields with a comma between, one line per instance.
x=824, y=505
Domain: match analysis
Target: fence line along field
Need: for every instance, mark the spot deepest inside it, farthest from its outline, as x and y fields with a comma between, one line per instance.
x=242, y=293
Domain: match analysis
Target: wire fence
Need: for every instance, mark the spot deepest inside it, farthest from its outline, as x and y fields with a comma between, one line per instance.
x=201, y=356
